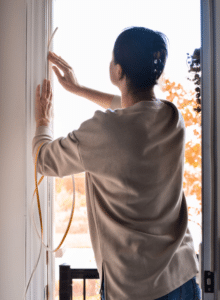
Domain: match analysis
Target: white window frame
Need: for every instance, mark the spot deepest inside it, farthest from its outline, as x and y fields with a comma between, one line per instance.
x=39, y=22
x=38, y=31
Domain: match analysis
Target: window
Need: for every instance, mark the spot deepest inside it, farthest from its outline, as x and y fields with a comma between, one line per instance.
x=42, y=13
x=88, y=50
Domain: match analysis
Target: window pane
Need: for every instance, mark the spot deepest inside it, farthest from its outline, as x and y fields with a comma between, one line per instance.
x=92, y=289
x=78, y=235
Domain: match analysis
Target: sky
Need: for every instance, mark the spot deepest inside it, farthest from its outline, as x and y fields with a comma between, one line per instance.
x=85, y=38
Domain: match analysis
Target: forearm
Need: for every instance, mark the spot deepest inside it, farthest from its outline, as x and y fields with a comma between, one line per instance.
x=100, y=98
x=43, y=122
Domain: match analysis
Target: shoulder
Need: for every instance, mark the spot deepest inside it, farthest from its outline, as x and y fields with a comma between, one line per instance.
x=97, y=124
x=175, y=110
x=169, y=103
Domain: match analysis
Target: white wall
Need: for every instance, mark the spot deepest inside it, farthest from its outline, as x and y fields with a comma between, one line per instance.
x=12, y=148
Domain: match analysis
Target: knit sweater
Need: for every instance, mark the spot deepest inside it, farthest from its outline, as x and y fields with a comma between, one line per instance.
x=133, y=159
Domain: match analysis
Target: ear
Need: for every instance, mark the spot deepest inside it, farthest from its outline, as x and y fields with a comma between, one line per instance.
x=119, y=72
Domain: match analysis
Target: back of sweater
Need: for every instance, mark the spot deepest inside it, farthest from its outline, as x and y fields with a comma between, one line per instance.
x=133, y=159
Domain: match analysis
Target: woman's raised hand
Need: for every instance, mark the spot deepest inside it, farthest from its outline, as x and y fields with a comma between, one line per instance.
x=68, y=81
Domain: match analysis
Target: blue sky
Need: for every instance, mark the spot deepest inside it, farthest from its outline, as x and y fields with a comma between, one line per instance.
x=85, y=38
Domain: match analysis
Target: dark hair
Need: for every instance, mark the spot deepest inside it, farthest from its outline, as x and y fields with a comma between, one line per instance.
x=142, y=54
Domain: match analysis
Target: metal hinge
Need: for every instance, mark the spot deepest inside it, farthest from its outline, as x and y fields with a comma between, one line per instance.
x=209, y=282
x=46, y=257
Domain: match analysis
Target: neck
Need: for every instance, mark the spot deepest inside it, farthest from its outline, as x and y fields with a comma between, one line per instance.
x=128, y=99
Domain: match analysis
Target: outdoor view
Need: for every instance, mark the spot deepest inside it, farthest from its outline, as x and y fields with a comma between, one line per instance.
x=85, y=38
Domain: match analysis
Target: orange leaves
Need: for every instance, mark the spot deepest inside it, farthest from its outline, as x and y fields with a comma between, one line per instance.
x=171, y=97
x=185, y=103
x=193, y=180
x=197, y=133
x=193, y=154
x=192, y=184
x=168, y=85
x=58, y=184
x=65, y=183
x=189, y=116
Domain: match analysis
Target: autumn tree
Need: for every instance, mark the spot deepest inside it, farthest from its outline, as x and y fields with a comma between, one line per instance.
x=186, y=102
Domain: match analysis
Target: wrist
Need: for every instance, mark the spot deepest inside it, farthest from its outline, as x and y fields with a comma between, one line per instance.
x=78, y=90
x=43, y=122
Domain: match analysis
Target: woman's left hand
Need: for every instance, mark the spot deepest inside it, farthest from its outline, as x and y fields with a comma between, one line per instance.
x=43, y=104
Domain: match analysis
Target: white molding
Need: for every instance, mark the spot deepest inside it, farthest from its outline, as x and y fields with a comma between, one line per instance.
x=36, y=71
x=51, y=181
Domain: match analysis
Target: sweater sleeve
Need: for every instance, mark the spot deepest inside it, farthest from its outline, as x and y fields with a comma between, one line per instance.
x=60, y=157
x=116, y=102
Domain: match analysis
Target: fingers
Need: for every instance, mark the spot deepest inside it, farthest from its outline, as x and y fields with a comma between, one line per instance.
x=59, y=62
x=53, y=55
x=57, y=72
x=38, y=91
x=44, y=103
x=63, y=67
x=48, y=89
x=44, y=89
x=51, y=97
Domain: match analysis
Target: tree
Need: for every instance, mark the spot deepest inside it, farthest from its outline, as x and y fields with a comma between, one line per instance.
x=185, y=102
x=195, y=67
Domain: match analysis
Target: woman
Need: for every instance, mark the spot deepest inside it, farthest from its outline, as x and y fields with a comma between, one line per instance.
x=133, y=158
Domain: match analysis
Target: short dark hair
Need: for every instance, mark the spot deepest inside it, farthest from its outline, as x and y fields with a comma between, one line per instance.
x=142, y=54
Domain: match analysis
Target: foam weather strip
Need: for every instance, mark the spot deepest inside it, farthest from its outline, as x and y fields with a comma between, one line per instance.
x=39, y=208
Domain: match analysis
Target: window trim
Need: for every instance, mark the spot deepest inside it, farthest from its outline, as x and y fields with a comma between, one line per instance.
x=207, y=92
x=38, y=32
x=210, y=64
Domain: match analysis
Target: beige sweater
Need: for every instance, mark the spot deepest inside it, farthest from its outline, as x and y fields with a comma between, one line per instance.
x=133, y=160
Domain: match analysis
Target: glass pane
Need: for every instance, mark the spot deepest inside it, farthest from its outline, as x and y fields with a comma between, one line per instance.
x=85, y=39
x=92, y=289
x=78, y=235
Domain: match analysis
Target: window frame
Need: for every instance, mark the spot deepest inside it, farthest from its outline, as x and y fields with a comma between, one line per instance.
x=38, y=32
x=210, y=91
x=39, y=25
